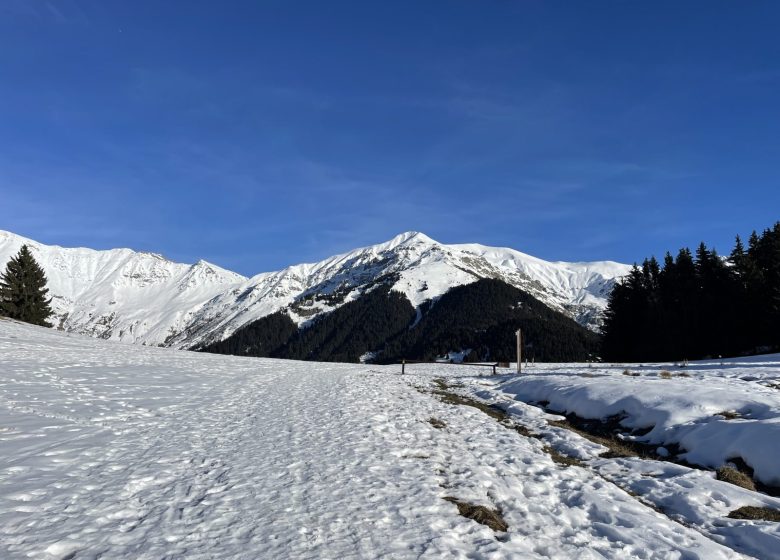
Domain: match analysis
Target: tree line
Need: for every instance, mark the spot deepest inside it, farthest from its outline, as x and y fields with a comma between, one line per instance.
x=698, y=305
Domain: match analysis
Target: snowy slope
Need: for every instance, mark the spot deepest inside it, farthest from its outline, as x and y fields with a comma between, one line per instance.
x=124, y=452
x=122, y=294
x=706, y=416
x=685, y=410
x=141, y=297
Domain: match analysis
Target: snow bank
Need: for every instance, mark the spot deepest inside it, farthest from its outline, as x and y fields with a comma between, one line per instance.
x=677, y=410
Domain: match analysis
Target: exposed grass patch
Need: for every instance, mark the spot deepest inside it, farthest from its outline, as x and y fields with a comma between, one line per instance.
x=738, y=464
x=503, y=418
x=495, y=412
x=442, y=384
x=605, y=432
x=729, y=414
x=666, y=374
x=562, y=459
x=436, y=423
x=522, y=430
x=481, y=514
x=756, y=513
x=631, y=373
x=452, y=398
x=735, y=477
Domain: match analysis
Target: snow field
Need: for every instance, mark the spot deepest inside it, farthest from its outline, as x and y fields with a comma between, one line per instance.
x=677, y=410
x=691, y=496
x=118, y=451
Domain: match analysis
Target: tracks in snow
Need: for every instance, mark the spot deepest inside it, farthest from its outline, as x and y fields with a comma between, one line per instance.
x=124, y=452
x=518, y=475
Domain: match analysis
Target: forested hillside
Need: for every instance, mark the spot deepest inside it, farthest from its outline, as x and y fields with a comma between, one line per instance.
x=483, y=317
x=383, y=326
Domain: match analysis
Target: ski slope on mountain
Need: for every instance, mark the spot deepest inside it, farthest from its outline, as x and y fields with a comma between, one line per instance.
x=125, y=452
x=144, y=298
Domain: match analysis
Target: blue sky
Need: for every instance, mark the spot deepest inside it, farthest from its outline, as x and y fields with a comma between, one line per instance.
x=264, y=133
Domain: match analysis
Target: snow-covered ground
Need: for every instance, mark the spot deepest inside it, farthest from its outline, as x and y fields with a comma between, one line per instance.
x=118, y=451
x=678, y=406
x=714, y=411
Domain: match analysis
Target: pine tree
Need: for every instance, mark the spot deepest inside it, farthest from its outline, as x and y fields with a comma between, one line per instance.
x=23, y=290
x=698, y=307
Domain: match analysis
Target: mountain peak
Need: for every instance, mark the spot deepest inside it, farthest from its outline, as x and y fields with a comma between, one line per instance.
x=409, y=237
x=140, y=297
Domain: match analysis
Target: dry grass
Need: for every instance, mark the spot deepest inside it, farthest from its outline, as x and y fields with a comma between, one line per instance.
x=631, y=373
x=603, y=433
x=562, y=459
x=733, y=476
x=683, y=374
x=729, y=414
x=436, y=423
x=756, y=513
x=503, y=418
x=665, y=374
x=486, y=516
x=522, y=430
x=738, y=464
x=442, y=384
x=493, y=411
x=453, y=398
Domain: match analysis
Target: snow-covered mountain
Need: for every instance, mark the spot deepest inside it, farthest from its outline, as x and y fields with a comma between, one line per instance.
x=122, y=294
x=144, y=298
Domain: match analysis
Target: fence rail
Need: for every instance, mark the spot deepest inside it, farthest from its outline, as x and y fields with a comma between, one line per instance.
x=478, y=364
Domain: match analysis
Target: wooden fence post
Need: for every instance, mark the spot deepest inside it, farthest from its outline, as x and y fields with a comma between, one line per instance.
x=403, y=366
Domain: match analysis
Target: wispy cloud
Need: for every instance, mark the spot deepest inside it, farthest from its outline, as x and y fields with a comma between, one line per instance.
x=62, y=12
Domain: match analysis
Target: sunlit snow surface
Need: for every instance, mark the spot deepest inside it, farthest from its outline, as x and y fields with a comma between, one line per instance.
x=118, y=451
x=683, y=406
x=144, y=298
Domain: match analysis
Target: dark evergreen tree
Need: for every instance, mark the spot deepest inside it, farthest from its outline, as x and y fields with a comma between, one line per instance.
x=616, y=328
x=23, y=290
x=698, y=307
x=766, y=257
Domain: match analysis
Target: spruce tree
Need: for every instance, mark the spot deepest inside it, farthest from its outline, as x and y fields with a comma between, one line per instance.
x=23, y=290
x=698, y=307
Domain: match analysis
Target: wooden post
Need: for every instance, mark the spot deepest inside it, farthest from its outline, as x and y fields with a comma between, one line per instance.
x=403, y=366
x=519, y=334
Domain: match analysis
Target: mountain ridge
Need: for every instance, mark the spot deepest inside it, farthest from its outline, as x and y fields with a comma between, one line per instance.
x=472, y=322
x=142, y=297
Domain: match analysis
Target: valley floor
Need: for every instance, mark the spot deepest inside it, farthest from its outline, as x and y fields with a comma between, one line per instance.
x=117, y=451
